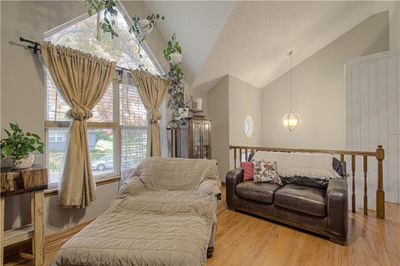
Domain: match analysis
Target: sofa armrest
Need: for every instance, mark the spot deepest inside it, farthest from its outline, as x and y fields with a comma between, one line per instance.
x=211, y=187
x=337, y=206
x=233, y=178
x=132, y=186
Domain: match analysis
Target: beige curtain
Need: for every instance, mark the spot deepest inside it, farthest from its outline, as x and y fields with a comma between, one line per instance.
x=152, y=91
x=82, y=80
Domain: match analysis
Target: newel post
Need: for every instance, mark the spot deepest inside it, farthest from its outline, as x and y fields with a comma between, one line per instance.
x=380, y=194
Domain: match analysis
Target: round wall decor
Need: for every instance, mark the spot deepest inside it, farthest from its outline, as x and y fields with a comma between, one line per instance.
x=248, y=126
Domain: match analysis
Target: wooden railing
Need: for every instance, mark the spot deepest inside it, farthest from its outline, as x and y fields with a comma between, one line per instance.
x=379, y=154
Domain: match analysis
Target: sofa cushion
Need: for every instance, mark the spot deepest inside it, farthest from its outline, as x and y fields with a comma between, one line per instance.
x=266, y=172
x=306, y=181
x=309, y=200
x=248, y=170
x=261, y=192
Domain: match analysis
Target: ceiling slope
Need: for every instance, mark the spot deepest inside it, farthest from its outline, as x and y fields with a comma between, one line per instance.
x=250, y=39
x=258, y=35
x=197, y=25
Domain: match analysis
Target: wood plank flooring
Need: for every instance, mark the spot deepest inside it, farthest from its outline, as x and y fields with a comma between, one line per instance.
x=246, y=240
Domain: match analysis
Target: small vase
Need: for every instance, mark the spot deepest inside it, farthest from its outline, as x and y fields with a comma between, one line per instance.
x=25, y=162
x=145, y=27
x=176, y=58
x=184, y=112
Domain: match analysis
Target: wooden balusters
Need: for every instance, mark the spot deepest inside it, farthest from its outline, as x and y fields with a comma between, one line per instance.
x=380, y=194
x=342, y=157
x=353, y=189
x=247, y=155
x=240, y=155
x=365, y=164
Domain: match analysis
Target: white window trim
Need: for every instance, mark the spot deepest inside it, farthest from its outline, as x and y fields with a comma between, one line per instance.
x=115, y=125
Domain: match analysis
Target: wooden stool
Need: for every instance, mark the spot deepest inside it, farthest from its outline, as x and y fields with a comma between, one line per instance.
x=16, y=182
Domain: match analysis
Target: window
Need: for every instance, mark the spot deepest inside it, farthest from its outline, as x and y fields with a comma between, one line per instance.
x=117, y=131
x=57, y=136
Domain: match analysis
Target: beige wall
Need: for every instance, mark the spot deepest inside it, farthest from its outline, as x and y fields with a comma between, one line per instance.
x=229, y=102
x=244, y=99
x=23, y=93
x=394, y=27
x=319, y=90
x=218, y=111
x=393, y=7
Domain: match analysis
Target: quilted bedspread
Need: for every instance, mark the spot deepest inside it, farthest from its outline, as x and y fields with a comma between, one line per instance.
x=152, y=222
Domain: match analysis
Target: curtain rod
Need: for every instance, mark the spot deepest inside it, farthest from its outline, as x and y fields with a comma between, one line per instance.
x=36, y=48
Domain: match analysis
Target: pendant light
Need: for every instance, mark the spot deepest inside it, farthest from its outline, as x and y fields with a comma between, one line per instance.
x=291, y=120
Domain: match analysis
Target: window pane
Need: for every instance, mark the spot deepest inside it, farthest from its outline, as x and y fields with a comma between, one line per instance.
x=132, y=111
x=123, y=49
x=103, y=111
x=134, y=146
x=56, y=151
x=101, y=149
x=57, y=108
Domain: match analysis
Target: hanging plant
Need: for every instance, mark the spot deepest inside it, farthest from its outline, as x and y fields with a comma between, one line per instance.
x=143, y=27
x=110, y=11
x=173, y=54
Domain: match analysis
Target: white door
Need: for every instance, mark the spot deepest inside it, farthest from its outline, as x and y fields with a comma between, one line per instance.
x=372, y=118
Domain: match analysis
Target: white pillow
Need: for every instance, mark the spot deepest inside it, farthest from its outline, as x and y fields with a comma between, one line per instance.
x=312, y=165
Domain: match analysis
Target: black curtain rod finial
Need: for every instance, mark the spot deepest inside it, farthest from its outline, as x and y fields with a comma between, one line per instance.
x=35, y=47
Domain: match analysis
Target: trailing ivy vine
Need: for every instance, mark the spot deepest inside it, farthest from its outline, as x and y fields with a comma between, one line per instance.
x=175, y=74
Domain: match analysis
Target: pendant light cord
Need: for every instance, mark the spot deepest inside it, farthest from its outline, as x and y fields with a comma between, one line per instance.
x=291, y=82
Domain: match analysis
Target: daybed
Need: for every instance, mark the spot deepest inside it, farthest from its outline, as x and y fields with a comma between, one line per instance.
x=164, y=215
x=313, y=204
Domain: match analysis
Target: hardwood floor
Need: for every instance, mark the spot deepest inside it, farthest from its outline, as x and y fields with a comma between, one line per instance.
x=246, y=240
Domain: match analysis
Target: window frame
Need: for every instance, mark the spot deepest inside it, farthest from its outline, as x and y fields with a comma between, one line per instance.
x=115, y=125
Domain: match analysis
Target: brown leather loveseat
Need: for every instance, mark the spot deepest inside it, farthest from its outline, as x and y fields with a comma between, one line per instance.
x=319, y=210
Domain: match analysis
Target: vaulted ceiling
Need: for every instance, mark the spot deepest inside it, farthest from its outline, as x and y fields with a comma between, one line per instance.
x=250, y=40
x=197, y=25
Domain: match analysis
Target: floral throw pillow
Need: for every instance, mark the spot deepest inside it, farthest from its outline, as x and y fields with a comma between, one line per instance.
x=265, y=171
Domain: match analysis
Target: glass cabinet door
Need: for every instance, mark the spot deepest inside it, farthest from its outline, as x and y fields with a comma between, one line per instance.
x=206, y=140
x=196, y=140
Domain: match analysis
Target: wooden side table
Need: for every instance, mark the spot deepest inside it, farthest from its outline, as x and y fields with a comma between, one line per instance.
x=16, y=182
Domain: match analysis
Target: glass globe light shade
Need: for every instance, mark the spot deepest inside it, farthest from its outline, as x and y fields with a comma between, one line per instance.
x=291, y=121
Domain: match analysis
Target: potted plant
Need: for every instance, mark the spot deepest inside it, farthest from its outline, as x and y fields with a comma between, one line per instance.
x=20, y=147
x=173, y=52
x=143, y=27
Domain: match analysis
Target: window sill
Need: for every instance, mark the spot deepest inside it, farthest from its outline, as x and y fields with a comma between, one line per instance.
x=99, y=182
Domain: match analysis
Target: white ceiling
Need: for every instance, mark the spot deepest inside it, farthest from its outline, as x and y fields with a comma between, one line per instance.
x=250, y=40
x=197, y=25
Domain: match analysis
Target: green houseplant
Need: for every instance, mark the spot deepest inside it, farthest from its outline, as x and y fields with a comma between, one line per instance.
x=173, y=54
x=19, y=147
